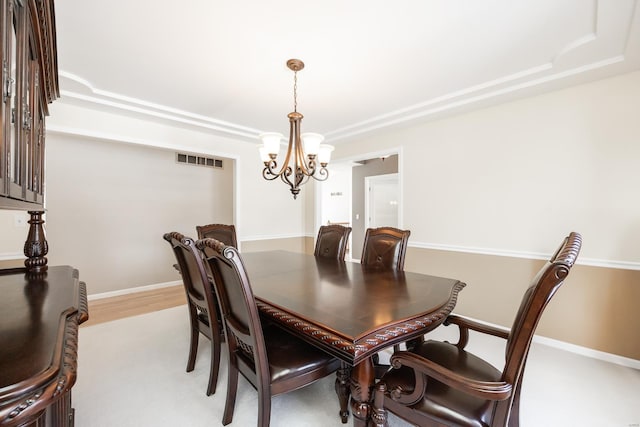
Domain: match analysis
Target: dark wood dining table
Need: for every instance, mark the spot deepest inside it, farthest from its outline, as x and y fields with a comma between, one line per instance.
x=348, y=310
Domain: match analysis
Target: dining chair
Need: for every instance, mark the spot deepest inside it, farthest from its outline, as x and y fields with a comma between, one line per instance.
x=202, y=303
x=270, y=358
x=385, y=247
x=439, y=383
x=225, y=233
x=332, y=241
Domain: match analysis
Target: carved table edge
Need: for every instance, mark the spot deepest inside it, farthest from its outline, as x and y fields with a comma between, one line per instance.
x=369, y=344
x=418, y=324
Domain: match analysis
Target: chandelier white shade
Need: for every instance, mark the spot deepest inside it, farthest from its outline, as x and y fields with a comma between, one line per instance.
x=304, y=152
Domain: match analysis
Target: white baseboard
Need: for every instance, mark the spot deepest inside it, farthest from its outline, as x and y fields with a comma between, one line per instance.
x=133, y=290
x=10, y=256
x=576, y=349
x=588, y=352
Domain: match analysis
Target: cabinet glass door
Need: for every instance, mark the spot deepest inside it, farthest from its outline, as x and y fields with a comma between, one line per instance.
x=15, y=166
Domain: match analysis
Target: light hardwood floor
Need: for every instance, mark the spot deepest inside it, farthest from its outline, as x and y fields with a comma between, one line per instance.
x=108, y=309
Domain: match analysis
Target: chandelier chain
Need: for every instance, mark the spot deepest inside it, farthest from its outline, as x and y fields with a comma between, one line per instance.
x=295, y=91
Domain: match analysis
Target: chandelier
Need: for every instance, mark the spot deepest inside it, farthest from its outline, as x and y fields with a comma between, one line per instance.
x=304, y=153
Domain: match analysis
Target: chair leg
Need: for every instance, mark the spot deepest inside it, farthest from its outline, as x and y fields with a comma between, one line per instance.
x=264, y=406
x=215, y=366
x=514, y=413
x=193, y=347
x=232, y=388
x=343, y=390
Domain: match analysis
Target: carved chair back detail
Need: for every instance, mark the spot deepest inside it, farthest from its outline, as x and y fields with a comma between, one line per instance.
x=202, y=302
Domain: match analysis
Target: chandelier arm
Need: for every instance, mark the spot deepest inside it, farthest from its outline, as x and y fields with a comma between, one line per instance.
x=322, y=174
x=267, y=172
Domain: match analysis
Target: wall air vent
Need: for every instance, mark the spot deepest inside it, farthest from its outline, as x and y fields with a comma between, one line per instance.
x=199, y=160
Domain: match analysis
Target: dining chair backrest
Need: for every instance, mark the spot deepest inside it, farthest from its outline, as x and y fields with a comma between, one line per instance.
x=269, y=357
x=540, y=291
x=245, y=339
x=192, y=269
x=225, y=233
x=202, y=302
x=332, y=241
x=385, y=247
x=236, y=299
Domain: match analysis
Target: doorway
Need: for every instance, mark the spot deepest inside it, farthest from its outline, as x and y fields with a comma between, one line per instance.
x=348, y=192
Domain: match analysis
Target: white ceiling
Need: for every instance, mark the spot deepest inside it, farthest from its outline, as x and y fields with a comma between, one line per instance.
x=370, y=64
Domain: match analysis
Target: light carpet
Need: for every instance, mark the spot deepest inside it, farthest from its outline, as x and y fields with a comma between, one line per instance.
x=131, y=372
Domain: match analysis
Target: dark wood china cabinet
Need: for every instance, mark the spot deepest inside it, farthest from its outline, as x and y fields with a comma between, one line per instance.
x=40, y=307
x=29, y=84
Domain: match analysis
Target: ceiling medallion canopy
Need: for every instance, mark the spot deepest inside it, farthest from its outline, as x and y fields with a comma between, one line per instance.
x=306, y=155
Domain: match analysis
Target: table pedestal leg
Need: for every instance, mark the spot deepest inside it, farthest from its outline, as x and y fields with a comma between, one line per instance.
x=362, y=378
x=378, y=413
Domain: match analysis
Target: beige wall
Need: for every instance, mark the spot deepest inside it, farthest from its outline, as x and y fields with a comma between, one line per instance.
x=108, y=205
x=110, y=228
x=264, y=209
x=595, y=308
x=518, y=176
x=513, y=180
x=14, y=228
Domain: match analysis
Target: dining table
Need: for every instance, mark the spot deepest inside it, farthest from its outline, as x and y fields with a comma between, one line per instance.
x=349, y=310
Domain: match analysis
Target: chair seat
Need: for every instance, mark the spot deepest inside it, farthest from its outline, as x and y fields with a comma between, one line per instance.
x=443, y=403
x=284, y=352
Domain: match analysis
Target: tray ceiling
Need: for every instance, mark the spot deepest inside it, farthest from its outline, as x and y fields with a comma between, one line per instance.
x=220, y=65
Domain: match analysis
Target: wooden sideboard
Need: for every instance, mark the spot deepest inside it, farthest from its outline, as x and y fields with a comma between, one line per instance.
x=39, y=318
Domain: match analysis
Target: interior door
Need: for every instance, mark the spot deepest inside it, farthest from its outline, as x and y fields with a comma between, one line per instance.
x=382, y=205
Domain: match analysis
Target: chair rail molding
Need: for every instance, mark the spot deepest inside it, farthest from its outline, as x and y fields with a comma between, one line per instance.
x=592, y=262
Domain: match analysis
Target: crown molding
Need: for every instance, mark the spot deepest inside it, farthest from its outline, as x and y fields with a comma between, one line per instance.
x=84, y=92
